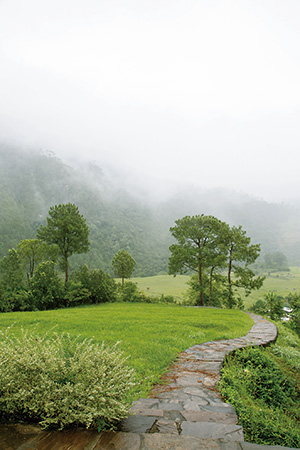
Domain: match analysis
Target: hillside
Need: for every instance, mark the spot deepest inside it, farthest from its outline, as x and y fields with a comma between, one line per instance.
x=30, y=182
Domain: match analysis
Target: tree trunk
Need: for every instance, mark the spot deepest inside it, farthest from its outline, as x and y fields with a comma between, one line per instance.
x=201, y=285
x=67, y=270
x=229, y=269
x=210, y=285
x=230, y=294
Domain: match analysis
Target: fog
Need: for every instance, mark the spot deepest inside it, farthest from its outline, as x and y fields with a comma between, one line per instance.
x=170, y=92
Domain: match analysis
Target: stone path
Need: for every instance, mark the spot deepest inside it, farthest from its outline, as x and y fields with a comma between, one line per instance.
x=184, y=412
x=187, y=403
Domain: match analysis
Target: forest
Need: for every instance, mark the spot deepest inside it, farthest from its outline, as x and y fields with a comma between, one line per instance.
x=33, y=181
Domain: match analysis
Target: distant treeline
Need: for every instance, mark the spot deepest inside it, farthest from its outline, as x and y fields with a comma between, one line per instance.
x=30, y=182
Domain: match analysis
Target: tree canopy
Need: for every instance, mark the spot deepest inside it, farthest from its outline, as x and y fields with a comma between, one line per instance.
x=208, y=246
x=67, y=229
x=123, y=265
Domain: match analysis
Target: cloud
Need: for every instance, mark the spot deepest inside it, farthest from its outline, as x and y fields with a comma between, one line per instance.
x=206, y=92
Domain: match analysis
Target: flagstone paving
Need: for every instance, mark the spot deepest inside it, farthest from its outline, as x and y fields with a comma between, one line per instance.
x=184, y=412
x=187, y=402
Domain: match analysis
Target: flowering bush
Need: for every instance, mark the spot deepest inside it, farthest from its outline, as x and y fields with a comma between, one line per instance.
x=60, y=381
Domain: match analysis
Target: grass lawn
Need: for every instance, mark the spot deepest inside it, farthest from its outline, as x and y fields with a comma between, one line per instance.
x=151, y=335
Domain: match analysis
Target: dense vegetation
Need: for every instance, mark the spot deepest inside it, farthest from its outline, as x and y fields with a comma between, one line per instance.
x=263, y=385
x=32, y=182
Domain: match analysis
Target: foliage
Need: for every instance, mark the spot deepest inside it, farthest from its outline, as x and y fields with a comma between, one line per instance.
x=47, y=287
x=294, y=303
x=212, y=295
x=275, y=262
x=75, y=294
x=99, y=285
x=207, y=246
x=262, y=384
x=241, y=253
x=128, y=292
x=61, y=381
x=123, y=265
x=33, y=251
x=259, y=307
x=200, y=240
x=152, y=335
x=11, y=271
x=67, y=229
x=272, y=306
x=30, y=182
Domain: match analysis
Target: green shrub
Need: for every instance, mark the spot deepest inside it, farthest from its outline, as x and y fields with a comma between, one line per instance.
x=101, y=287
x=75, y=294
x=47, y=287
x=60, y=381
x=264, y=396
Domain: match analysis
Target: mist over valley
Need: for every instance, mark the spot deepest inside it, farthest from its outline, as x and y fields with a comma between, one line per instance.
x=124, y=214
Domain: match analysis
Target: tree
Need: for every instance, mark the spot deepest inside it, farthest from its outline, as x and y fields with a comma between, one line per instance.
x=11, y=270
x=200, y=247
x=240, y=254
x=68, y=229
x=274, y=305
x=276, y=262
x=47, y=287
x=32, y=252
x=294, y=304
x=208, y=246
x=99, y=285
x=123, y=265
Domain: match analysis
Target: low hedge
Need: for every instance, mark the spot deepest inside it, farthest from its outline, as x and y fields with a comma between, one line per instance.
x=60, y=381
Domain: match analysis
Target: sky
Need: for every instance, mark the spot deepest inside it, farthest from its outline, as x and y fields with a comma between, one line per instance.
x=205, y=92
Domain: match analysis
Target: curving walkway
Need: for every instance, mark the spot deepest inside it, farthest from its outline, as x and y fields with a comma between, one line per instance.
x=187, y=403
x=185, y=412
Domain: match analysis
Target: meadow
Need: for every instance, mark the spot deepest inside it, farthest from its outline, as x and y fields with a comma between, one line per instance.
x=282, y=283
x=150, y=335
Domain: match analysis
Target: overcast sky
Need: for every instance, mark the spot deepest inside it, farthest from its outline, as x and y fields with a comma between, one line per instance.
x=202, y=91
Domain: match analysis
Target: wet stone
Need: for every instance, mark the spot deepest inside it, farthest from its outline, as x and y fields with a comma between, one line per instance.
x=175, y=395
x=137, y=424
x=209, y=430
x=209, y=416
x=220, y=408
x=148, y=412
x=168, y=406
x=145, y=403
x=75, y=439
x=167, y=426
x=195, y=391
x=116, y=441
x=162, y=441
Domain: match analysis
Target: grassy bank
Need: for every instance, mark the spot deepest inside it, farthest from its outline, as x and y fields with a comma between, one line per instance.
x=263, y=385
x=150, y=335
